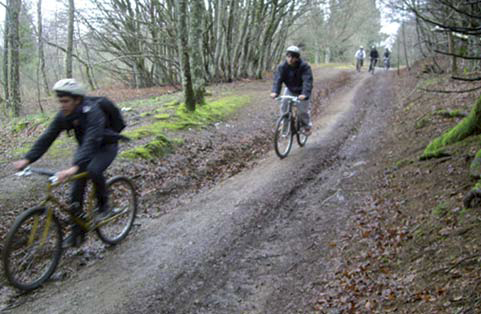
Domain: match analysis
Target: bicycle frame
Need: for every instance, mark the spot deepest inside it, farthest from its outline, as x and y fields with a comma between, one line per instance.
x=291, y=111
x=86, y=224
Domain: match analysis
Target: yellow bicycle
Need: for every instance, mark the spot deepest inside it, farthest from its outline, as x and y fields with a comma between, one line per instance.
x=33, y=246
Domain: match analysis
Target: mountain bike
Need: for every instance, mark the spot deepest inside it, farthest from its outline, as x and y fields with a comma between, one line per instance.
x=33, y=246
x=372, y=65
x=386, y=64
x=287, y=126
x=359, y=64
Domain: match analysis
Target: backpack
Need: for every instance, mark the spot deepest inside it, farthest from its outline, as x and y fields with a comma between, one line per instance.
x=115, y=121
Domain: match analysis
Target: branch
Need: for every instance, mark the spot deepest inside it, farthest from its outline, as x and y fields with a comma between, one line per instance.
x=458, y=10
x=462, y=30
x=450, y=91
x=65, y=50
x=474, y=79
x=456, y=55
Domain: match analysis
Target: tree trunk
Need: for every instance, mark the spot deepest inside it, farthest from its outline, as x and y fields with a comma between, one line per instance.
x=14, y=63
x=68, y=57
x=6, y=56
x=404, y=46
x=196, y=45
x=183, y=44
x=452, y=50
x=41, y=55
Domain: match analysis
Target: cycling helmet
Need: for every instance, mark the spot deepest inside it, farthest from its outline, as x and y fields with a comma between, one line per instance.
x=69, y=87
x=294, y=50
x=361, y=47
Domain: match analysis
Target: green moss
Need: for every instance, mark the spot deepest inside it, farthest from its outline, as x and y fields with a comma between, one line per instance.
x=159, y=147
x=409, y=107
x=183, y=118
x=61, y=148
x=421, y=123
x=162, y=116
x=402, y=163
x=440, y=210
x=475, y=166
x=20, y=124
x=449, y=113
x=211, y=112
x=465, y=128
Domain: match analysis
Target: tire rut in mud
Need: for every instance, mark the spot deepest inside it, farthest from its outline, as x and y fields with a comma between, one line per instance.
x=270, y=262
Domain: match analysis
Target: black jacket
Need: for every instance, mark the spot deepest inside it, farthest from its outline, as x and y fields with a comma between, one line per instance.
x=89, y=125
x=297, y=79
x=374, y=54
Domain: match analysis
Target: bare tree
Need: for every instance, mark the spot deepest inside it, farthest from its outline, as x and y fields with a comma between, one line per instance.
x=41, y=55
x=183, y=44
x=70, y=31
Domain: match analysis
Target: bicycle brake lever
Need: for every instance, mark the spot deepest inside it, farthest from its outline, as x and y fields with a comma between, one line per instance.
x=53, y=179
x=24, y=173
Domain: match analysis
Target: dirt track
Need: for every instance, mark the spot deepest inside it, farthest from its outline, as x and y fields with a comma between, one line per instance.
x=256, y=243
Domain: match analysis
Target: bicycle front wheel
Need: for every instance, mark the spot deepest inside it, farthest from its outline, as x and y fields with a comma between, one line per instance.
x=301, y=137
x=123, y=203
x=33, y=248
x=283, y=136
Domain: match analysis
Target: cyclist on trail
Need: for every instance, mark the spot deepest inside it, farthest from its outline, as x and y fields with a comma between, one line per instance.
x=360, y=55
x=387, y=58
x=296, y=75
x=98, y=146
x=374, y=55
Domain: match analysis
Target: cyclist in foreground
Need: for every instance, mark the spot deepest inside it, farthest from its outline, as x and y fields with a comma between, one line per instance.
x=297, y=77
x=97, y=147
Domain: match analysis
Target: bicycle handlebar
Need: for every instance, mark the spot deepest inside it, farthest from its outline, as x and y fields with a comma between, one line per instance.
x=44, y=172
x=293, y=98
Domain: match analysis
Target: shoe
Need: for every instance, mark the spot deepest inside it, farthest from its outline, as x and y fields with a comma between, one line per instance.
x=103, y=214
x=74, y=239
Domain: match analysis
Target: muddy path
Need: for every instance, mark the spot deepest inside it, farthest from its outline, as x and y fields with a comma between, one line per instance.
x=257, y=242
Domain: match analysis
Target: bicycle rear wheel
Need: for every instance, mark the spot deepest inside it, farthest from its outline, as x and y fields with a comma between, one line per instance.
x=123, y=203
x=283, y=136
x=33, y=248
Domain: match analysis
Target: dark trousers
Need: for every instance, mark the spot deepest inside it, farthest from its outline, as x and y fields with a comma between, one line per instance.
x=95, y=168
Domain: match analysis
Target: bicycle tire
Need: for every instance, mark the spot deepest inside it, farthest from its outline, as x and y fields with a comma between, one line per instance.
x=22, y=233
x=125, y=204
x=280, y=133
x=301, y=137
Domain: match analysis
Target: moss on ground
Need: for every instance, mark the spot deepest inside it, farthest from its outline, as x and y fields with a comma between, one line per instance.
x=182, y=119
x=159, y=147
x=450, y=113
x=19, y=124
x=468, y=126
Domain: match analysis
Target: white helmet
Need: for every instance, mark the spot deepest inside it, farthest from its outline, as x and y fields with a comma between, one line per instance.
x=294, y=49
x=70, y=86
x=361, y=47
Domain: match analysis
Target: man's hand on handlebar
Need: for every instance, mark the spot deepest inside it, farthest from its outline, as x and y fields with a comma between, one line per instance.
x=67, y=173
x=273, y=95
x=302, y=97
x=21, y=164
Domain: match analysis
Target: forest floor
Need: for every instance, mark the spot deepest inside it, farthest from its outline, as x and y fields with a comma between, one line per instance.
x=353, y=222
